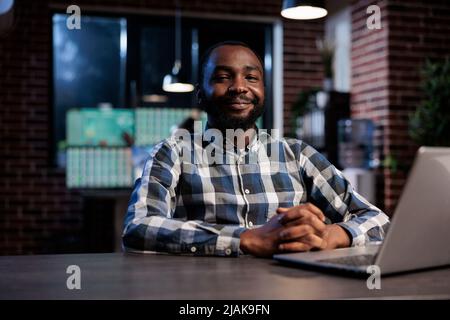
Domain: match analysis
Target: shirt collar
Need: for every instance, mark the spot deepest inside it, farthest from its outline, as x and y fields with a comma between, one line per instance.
x=253, y=146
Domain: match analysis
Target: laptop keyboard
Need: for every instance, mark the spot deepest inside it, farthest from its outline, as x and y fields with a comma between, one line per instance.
x=358, y=260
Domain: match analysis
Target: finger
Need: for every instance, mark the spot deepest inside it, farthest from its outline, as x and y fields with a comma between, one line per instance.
x=289, y=214
x=311, y=220
x=315, y=210
x=294, y=246
x=314, y=241
x=294, y=215
x=281, y=211
x=297, y=211
x=296, y=232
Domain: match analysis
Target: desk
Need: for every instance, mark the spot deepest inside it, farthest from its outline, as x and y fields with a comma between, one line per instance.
x=136, y=276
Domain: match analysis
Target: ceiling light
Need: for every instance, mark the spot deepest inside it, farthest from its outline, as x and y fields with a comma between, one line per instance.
x=303, y=10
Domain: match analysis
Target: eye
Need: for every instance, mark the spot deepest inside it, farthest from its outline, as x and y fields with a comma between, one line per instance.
x=252, y=78
x=221, y=77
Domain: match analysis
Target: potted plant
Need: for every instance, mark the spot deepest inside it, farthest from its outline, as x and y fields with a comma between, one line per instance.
x=430, y=124
x=303, y=104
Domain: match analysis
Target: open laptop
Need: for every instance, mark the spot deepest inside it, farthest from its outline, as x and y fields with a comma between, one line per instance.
x=419, y=233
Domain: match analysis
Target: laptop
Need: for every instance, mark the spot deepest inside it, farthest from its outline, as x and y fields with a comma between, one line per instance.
x=419, y=233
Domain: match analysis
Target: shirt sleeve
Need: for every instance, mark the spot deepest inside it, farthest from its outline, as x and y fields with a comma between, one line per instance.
x=149, y=223
x=333, y=194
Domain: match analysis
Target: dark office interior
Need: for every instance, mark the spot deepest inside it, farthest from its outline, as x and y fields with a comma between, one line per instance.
x=117, y=61
x=94, y=96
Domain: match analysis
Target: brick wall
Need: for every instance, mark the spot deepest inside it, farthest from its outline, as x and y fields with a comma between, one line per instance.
x=302, y=63
x=386, y=74
x=369, y=82
x=37, y=213
x=417, y=30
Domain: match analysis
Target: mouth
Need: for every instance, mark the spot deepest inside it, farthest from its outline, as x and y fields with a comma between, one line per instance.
x=238, y=105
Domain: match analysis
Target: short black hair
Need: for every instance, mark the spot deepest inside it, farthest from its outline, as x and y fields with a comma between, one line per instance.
x=208, y=52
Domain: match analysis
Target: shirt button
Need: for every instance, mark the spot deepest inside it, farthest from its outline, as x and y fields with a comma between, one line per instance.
x=228, y=251
x=247, y=191
x=193, y=249
x=250, y=224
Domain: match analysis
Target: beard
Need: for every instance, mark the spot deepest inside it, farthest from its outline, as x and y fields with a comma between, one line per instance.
x=223, y=120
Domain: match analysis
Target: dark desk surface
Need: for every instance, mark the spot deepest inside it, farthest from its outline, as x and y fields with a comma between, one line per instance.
x=134, y=276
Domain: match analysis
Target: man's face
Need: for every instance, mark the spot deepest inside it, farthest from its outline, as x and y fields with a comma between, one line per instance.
x=232, y=91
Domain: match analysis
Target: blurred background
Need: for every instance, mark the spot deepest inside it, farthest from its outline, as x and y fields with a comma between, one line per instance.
x=82, y=102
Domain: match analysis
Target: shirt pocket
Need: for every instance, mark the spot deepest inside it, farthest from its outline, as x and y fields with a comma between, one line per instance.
x=281, y=178
x=288, y=185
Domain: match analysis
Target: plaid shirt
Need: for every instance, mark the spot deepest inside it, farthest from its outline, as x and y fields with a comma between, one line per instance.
x=181, y=206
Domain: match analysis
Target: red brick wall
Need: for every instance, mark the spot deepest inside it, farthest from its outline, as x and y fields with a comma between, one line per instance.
x=418, y=30
x=369, y=82
x=386, y=74
x=37, y=213
x=302, y=63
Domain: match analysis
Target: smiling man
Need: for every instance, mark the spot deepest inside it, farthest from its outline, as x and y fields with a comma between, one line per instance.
x=231, y=87
x=293, y=200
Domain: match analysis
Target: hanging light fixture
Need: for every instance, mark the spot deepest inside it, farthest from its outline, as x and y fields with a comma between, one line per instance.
x=303, y=9
x=171, y=81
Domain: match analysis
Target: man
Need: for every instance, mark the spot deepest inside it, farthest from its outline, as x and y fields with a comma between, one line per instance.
x=295, y=201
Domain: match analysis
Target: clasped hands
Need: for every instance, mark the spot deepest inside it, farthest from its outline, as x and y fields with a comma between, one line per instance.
x=299, y=228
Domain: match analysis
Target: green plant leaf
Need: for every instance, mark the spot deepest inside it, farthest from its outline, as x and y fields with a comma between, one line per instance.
x=430, y=123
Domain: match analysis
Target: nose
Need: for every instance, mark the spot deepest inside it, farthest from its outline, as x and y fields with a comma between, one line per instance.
x=238, y=86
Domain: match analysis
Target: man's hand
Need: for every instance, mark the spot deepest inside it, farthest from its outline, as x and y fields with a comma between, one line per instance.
x=305, y=229
x=299, y=228
x=262, y=241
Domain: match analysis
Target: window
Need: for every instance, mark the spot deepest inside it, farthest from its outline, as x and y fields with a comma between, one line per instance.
x=338, y=28
x=88, y=66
